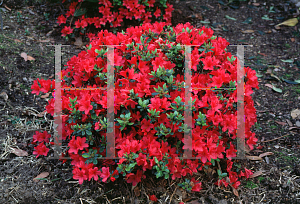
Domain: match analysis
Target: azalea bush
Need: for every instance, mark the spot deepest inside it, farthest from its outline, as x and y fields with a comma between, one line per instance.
x=149, y=108
x=112, y=13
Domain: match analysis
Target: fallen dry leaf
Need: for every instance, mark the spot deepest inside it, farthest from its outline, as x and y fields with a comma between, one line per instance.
x=254, y=158
x=256, y=174
x=4, y=96
x=46, y=40
x=24, y=55
x=78, y=41
x=197, y=15
x=41, y=175
x=17, y=41
x=179, y=11
x=40, y=115
x=256, y=4
x=45, y=96
x=269, y=71
x=295, y=113
x=292, y=39
x=263, y=54
x=290, y=22
x=257, y=103
x=269, y=85
x=19, y=152
x=291, y=128
x=280, y=123
x=235, y=192
x=247, y=148
x=266, y=154
x=137, y=191
x=30, y=58
x=209, y=171
x=247, y=31
x=289, y=122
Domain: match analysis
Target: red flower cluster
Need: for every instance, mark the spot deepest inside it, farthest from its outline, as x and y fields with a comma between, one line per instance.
x=41, y=149
x=149, y=105
x=113, y=13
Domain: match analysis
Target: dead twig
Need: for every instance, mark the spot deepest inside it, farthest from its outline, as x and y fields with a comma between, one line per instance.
x=173, y=194
x=276, y=138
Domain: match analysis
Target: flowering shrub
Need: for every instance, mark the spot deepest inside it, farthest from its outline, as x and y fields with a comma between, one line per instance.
x=149, y=106
x=112, y=13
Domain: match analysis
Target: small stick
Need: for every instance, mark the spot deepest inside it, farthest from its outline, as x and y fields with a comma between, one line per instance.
x=172, y=195
x=276, y=138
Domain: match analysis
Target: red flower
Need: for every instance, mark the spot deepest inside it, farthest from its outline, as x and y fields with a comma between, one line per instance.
x=231, y=152
x=135, y=178
x=66, y=30
x=153, y=198
x=252, y=141
x=248, y=173
x=157, y=13
x=46, y=85
x=35, y=87
x=61, y=19
x=41, y=149
x=105, y=174
x=209, y=62
x=85, y=105
x=93, y=173
x=40, y=137
x=79, y=174
x=77, y=144
x=146, y=125
x=157, y=62
x=155, y=104
x=236, y=184
x=196, y=185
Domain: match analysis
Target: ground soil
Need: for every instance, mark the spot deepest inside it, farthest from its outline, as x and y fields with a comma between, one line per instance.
x=29, y=26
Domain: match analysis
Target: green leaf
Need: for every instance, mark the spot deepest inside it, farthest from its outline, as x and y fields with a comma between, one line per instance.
x=159, y=174
x=298, y=81
x=291, y=82
x=205, y=22
x=288, y=60
x=223, y=174
x=85, y=155
x=80, y=12
x=221, y=2
x=230, y=18
x=248, y=20
x=265, y=17
x=277, y=89
x=260, y=32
